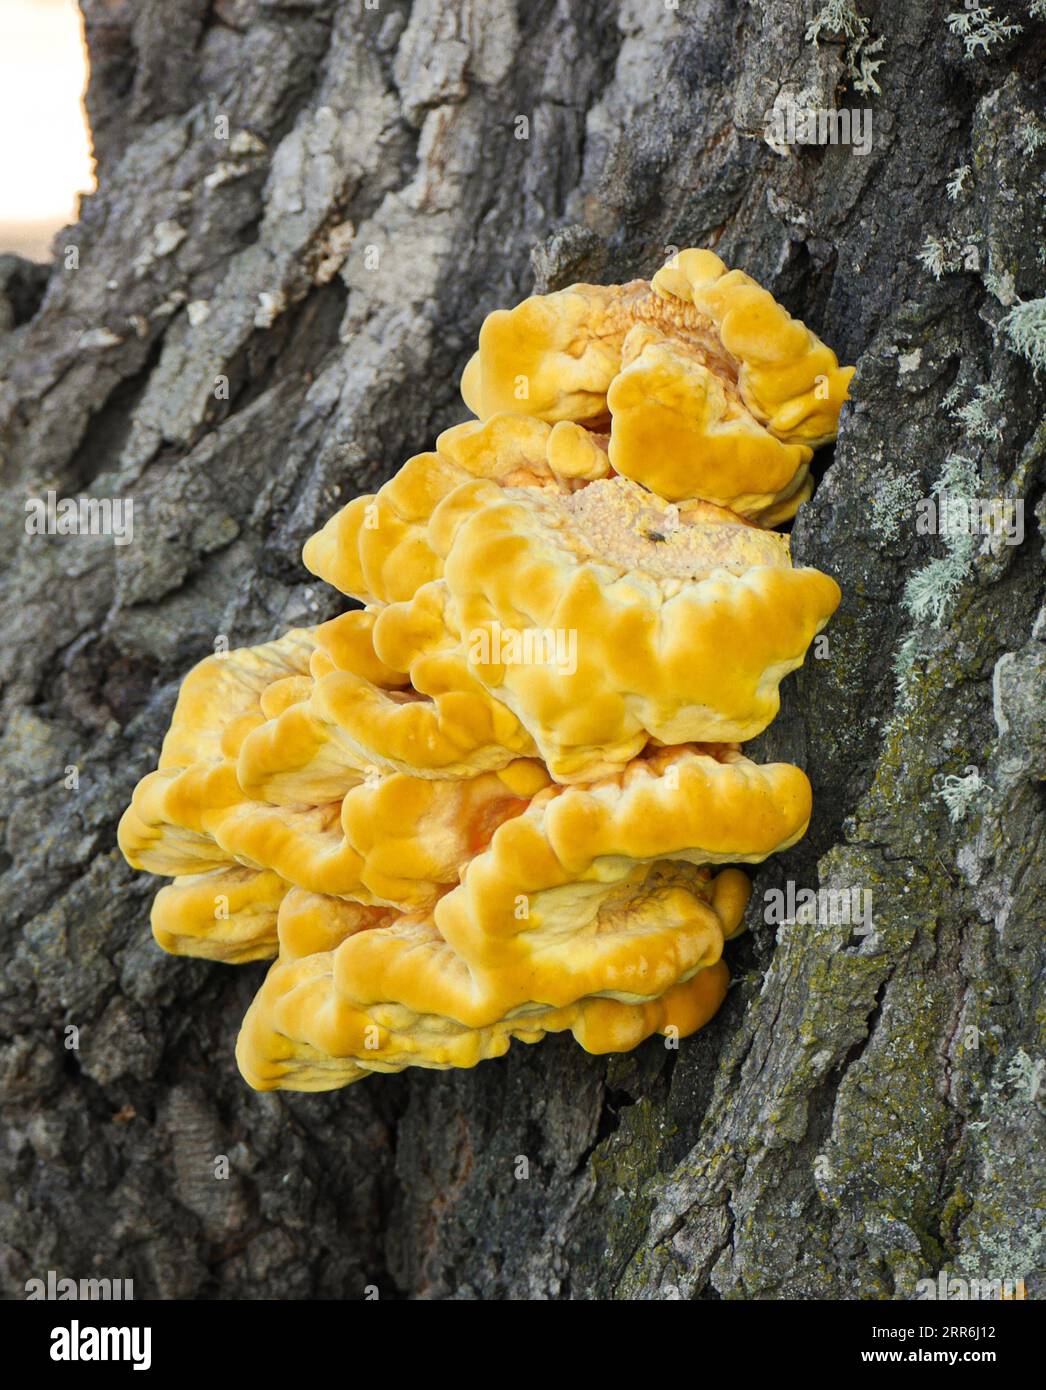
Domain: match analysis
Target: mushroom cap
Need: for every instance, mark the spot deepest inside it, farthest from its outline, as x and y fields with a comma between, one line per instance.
x=552, y=356
x=227, y=914
x=591, y=893
x=682, y=431
x=682, y=639
x=711, y=388
x=223, y=691
x=297, y=1035
x=304, y=1032
x=789, y=379
x=376, y=547
x=392, y=839
x=361, y=717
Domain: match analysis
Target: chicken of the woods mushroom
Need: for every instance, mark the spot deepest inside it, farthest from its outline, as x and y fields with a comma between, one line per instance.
x=506, y=796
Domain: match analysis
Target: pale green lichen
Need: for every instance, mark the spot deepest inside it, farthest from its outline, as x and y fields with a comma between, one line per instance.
x=931, y=591
x=1001, y=284
x=979, y=416
x=837, y=17
x=862, y=66
x=980, y=30
x=961, y=793
x=907, y=657
x=895, y=497
x=935, y=257
x=1025, y=329
x=1032, y=135
x=945, y=255
x=841, y=17
x=956, y=180
x=1024, y=1074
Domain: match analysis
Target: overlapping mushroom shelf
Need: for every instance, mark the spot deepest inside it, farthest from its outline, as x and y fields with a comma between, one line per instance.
x=492, y=803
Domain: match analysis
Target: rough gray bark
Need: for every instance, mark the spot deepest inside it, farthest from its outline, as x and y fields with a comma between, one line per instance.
x=865, y=1111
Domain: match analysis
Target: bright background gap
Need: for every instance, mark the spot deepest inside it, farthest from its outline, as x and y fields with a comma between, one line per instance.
x=45, y=144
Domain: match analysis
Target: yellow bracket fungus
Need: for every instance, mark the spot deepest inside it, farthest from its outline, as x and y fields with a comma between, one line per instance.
x=362, y=717
x=708, y=386
x=601, y=620
x=227, y=914
x=488, y=805
x=376, y=549
x=302, y=1032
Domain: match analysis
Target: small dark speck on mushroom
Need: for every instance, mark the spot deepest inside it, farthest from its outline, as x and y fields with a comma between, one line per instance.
x=655, y=536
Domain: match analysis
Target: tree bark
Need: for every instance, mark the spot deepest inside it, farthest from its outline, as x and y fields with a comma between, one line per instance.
x=319, y=202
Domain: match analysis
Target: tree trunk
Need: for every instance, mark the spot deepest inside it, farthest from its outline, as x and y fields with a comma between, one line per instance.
x=318, y=203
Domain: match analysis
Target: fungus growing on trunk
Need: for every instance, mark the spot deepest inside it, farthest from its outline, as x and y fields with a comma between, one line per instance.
x=488, y=805
x=708, y=387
